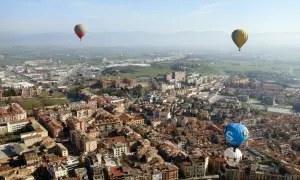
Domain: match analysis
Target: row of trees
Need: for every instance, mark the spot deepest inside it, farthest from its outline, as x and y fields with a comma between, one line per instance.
x=137, y=91
x=11, y=92
x=113, y=71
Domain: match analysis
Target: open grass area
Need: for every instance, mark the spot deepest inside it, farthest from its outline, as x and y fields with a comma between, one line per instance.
x=206, y=69
x=43, y=100
x=218, y=67
x=54, y=95
x=29, y=104
x=296, y=72
x=149, y=71
x=242, y=66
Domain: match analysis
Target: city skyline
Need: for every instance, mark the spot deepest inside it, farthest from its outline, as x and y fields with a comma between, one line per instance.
x=46, y=16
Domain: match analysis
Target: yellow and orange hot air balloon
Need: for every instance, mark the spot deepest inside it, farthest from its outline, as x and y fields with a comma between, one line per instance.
x=239, y=37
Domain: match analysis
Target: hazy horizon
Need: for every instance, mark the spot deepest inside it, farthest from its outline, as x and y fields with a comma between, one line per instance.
x=124, y=39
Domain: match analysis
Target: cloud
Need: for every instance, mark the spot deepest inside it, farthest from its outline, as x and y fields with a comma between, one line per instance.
x=205, y=9
x=99, y=10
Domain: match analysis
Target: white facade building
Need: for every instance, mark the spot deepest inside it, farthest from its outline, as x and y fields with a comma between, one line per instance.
x=164, y=87
x=57, y=171
x=16, y=126
x=119, y=149
x=11, y=127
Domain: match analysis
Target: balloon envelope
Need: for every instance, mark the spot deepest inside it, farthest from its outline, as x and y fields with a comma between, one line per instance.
x=80, y=30
x=236, y=134
x=232, y=157
x=239, y=37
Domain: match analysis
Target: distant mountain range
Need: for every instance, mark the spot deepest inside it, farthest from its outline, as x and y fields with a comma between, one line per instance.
x=210, y=39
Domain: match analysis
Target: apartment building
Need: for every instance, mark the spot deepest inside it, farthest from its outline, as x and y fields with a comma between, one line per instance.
x=12, y=112
x=82, y=141
x=74, y=123
x=54, y=128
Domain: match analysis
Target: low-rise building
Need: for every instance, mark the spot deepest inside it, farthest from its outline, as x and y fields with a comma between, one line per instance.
x=95, y=166
x=82, y=112
x=117, y=146
x=61, y=149
x=129, y=119
x=31, y=158
x=3, y=129
x=14, y=126
x=194, y=166
x=31, y=140
x=57, y=171
x=81, y=173
x=71, y=162
x=19, y=148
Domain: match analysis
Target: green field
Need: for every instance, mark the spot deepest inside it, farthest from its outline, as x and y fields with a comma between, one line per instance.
x=243, y=66
x=45, y=94
x=150, y=71
x=154, y=71
x=43, y=100
x=29, y=104
x=296, y=72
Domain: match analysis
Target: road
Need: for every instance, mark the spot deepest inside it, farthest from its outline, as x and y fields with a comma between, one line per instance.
x=73, y=71
x=20, y=76
x=204, y=177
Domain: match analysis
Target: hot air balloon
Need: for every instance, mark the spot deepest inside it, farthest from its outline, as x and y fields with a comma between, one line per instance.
x=80, y=30
x=232, y=156
x=239, y=37
x=236, y=134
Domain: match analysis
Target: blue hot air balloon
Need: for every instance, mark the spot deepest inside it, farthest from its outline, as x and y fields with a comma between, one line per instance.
x=236, y=134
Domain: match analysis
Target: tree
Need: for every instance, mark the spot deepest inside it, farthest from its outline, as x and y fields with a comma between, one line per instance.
x=296, y=107
x=175, y=132
x=154, y=84
x=119, y=93
x=138, y=90
x=199, y=117
x=280, y=100
x=8, y=101
x=126, y=89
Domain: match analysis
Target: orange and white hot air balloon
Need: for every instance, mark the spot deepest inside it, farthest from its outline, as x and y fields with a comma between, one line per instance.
x=80, y=30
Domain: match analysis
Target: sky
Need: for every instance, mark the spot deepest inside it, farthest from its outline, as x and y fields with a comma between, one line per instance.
x=55, y=16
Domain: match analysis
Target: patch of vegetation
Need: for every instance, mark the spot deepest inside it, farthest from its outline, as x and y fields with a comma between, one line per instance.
x=138, y=91
x=136, y=71
x=113, y=71
x=11, y=92
x=54, y=94
x=188, y=66
x=43, y=100
x=12, y=137
x=29, y=104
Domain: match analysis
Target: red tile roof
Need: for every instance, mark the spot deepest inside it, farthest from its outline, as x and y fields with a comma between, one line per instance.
x=114, y=140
